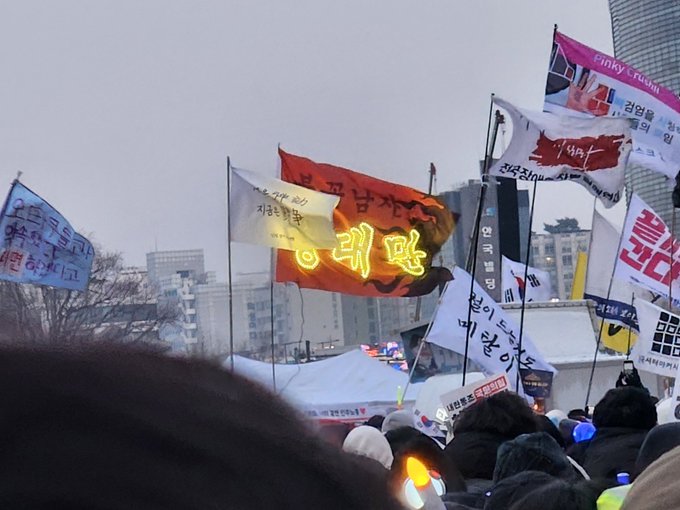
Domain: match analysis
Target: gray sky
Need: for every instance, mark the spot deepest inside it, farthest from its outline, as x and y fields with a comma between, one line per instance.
x=121, y=113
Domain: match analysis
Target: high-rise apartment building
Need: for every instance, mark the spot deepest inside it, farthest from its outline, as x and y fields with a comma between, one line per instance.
x=647, y=36
x=167, y=263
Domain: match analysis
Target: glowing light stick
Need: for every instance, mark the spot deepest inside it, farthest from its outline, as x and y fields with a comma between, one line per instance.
x=423, y=489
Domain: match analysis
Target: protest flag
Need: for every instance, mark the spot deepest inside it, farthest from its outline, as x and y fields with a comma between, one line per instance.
x=275, y=213
x=583, y=81
x=387, y=235
x=537, y=285
x=39, y=245
x=657, y=349
x=494, y=336
x=545, y=147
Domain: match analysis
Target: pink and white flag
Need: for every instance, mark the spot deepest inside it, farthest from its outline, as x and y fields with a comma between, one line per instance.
x=645, y=255
x=547, y=147
x=583, y=81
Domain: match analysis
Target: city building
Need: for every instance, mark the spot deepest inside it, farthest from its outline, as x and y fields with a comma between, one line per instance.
x=557, y=254
x=167, y=263
x=646, y=36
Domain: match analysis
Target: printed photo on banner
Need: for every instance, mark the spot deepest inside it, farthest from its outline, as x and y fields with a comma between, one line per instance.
x=433, y=359
x=592, y=152
x=584, y=81
x=387, y=235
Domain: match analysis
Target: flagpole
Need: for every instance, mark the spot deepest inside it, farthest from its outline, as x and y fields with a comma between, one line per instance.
x=231, y=297
x=630, y=326
x=524, y=294
x=271, y=312
x=670, y=257
x=433, y=173
x=606, y=304
x=471, y=263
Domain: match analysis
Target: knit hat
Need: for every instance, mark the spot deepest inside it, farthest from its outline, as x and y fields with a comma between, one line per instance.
x=657, y=487
x=369, y=442
x=536, y=452
x=397, y=419
x=512, y=489
x=661, y=439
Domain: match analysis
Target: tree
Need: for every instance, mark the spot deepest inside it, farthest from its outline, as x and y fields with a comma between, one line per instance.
x=118, y=306
x=563, y=226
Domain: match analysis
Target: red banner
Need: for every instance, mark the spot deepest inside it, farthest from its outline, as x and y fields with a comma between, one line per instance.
x=387, y=235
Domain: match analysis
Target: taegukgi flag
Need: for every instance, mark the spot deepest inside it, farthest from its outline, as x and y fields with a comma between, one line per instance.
x=658, y=346
x=537, y=285
x=494, y=336
x=280, y=214
x=583, y=81
x=546, y=147
x=644, y=258
x=39, y=245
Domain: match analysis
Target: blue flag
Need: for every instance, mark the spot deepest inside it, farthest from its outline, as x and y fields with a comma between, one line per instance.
x=38, y=244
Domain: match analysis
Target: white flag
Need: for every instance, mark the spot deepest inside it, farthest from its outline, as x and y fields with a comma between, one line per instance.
x=494, y=336
x=279, y=214
x=644, y=257
x=537, y=285
x=657, y=349
x=548, y=147
x=604, y=241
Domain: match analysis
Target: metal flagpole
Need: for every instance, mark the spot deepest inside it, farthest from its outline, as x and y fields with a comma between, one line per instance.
x=231, y=297
x=606, y=304
x=419, y=299
x=471, y=263
x=670, y=257
x=271, y=312
x=524, y=294
x=630, y=327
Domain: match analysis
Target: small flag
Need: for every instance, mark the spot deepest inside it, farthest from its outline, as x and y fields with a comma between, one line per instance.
x=494, y=336
x=279, y=214
x=548, y=147
x=583, y=81
x=537, y=285
x=39, y=246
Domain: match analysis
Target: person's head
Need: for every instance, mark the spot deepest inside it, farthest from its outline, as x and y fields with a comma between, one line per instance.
x=578, y=415
x=561, y=495
x=546, y=425
x=532, y=452
x=112, y=428
x=376, y=421
x=397, y=419
x=513, y=488
x=657, y=486
x=432, y=456
x=369, y=442
x=661, y=439
x=566, y=429
x=627, y=407
x=400, y=436
x=504, y=414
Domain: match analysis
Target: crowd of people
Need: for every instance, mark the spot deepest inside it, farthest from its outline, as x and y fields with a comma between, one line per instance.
x=110, y=428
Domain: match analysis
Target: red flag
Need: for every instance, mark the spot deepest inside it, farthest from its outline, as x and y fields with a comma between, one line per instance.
x=387, y=235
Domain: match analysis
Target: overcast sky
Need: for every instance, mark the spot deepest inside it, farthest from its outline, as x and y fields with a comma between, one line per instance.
x=121, y=113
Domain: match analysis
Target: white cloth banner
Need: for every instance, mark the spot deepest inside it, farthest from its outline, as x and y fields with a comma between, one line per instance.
x=461, y=398
x=547, y=147
x=583, y=81
x=657, y=349
x=494, y=337
x=279, y=214
x=604, y=240
x=644, y=257
x=537, y=285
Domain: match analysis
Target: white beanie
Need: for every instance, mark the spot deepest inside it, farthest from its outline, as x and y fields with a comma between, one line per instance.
x=369, y=442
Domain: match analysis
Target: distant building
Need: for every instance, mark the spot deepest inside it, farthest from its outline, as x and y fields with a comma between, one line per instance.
x=557, y=254
x=167, y=263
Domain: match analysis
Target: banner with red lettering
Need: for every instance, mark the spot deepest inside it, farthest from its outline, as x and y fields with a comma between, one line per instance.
x=387, y=235
x=547, y=147
x=645, y=255
x=585, y=82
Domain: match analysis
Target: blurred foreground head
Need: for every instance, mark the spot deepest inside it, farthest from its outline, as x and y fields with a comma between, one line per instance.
x=103, y=428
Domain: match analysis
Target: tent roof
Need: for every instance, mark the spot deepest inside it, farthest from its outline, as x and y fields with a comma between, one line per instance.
x=349, y=378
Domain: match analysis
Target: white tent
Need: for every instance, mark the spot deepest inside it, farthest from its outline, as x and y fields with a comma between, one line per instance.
x=349, y=387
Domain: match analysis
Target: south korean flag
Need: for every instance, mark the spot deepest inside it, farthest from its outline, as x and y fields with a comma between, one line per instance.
x=537, y=285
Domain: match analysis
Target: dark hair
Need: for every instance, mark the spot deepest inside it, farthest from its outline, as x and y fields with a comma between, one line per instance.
x=376, y=421
x=546, y=425
x=560, y=495
x=577, y=414
x=625, y=407
x=505, y=414
x=661, y=439
x=512, y=489
x=429, y=453
x=401, y=436
x=113, y=428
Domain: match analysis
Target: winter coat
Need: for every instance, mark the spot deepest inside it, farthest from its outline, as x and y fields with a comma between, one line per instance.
x=612, y=450
x=475, y=453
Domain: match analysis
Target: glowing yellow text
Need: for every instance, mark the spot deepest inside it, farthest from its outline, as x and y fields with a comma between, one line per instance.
x=307, y=259
x=355, y=247
x=402, y=252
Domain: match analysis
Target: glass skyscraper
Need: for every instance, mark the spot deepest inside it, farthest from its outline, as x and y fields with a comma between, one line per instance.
x=647, y=37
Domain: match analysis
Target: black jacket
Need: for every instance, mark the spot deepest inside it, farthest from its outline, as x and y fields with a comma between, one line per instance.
x=475, y=453
x=612, y=450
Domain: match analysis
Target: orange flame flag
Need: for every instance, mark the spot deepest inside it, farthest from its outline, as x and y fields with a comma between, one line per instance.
x=387, y=235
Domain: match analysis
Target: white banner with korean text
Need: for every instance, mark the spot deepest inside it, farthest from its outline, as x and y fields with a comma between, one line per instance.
x=494, y=336
x=279, y=214
x=456, y=400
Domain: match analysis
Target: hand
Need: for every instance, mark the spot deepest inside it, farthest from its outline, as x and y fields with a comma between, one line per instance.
x=579, y=97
